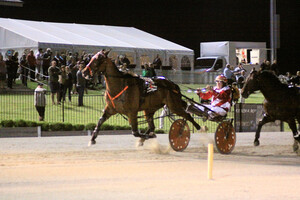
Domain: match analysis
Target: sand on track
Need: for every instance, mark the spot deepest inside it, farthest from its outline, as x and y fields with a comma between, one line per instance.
x=114, y=168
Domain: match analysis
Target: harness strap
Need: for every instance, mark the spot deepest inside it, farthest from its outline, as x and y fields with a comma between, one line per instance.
x=113, y=98
x=89, y=68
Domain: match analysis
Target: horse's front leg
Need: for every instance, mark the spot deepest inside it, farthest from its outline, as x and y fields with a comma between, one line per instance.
x=263, y=121
x=102, y=119
x=134, y=125
x=292, y=125
x=151, y=127
x=134, y=129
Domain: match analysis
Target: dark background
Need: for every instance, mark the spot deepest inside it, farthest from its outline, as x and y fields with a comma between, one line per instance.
x=186, y=22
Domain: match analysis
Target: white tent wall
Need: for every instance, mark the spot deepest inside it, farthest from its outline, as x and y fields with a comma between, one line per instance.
x=23, y=34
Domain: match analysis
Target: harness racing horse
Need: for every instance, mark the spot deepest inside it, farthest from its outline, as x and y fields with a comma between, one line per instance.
x=125, y=95
x=281, y=102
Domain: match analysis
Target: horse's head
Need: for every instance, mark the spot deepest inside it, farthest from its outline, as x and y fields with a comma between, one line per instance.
x=98, y=62
x=251, y=84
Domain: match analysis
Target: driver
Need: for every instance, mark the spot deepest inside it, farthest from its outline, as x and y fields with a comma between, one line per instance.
x=221, y=99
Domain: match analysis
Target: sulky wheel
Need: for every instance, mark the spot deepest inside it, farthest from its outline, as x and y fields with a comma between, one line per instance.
x=179, y=135
x=225, y=137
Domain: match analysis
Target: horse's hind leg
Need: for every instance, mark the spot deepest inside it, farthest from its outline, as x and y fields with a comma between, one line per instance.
x=263, y=121
x=102, y=119
x=292, y=125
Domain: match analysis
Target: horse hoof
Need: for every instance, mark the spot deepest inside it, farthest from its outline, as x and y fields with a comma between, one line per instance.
x=256, y=143
x=136, y=134
x=295, y=146
x=297, y=137
x=141, y=142
x=152, y=135
x=92, y=142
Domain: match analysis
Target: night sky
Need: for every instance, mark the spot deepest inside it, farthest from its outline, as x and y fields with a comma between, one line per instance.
x=186, y=22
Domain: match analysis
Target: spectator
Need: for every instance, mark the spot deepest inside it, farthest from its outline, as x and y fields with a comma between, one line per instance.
x=274, y=67
x=228, y=73
x=3, y=72
x=82, y=56
x=40, y=101
x=68, y=83
x=124, y=59
x=148, y=71
x=73, y=69
x=157, y=62
x=62, y=84
x=86, y=58
x=288, y=76
x=24, y=69
x=236, y=93
x=74, y=76
x=239, y=73
x=80, y=84
x=15, y=66
x=53, y=72
x=69, y=58
x=31, y=60
x=58, y=59
x=63, y=58
x=46, y=62
x=10, y=71
x=39, y=64
x=265, y=65
x=295, y=80
x=76, y=56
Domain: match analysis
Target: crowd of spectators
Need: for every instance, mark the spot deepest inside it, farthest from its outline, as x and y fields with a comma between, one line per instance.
x=58, y=70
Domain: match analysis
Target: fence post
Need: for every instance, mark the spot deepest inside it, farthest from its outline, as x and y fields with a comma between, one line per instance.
x=39, y=131
x=63, y=111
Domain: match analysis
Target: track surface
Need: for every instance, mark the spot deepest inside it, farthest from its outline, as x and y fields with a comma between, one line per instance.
x=114, y=168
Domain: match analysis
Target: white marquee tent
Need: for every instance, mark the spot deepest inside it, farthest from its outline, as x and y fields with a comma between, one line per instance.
x=138, y=45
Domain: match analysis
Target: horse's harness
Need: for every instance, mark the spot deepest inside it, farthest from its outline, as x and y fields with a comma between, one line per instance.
x=113, y=98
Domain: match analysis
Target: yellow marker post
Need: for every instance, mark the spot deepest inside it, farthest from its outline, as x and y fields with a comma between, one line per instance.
x=210, y=159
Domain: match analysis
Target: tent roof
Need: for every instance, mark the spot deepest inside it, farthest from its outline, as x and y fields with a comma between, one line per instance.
x=23, y=33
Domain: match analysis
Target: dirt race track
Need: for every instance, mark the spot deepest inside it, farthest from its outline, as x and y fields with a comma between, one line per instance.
x=66, y=168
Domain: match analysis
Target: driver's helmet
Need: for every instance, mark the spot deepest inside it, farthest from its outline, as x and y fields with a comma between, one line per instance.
x=221, y=78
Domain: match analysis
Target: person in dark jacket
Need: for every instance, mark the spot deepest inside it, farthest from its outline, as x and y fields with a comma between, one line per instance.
x=15, y=66
x=68, y=83
x=274, y=67
x=46, y=62
x=10, y=71
x=157, y=62
x=24, y=69
x=80, y=84
x=53, y=72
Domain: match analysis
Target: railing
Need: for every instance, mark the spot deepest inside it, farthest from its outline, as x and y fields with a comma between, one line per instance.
x=37, y=73
x=20, y=105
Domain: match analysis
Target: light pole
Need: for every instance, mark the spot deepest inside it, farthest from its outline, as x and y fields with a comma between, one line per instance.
x=274, y=30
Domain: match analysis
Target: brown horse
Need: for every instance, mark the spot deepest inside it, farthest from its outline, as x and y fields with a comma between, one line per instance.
x=125, y=94
x=281, y=102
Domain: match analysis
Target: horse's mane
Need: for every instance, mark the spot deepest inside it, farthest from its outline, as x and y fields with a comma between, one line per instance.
x=272, y=78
